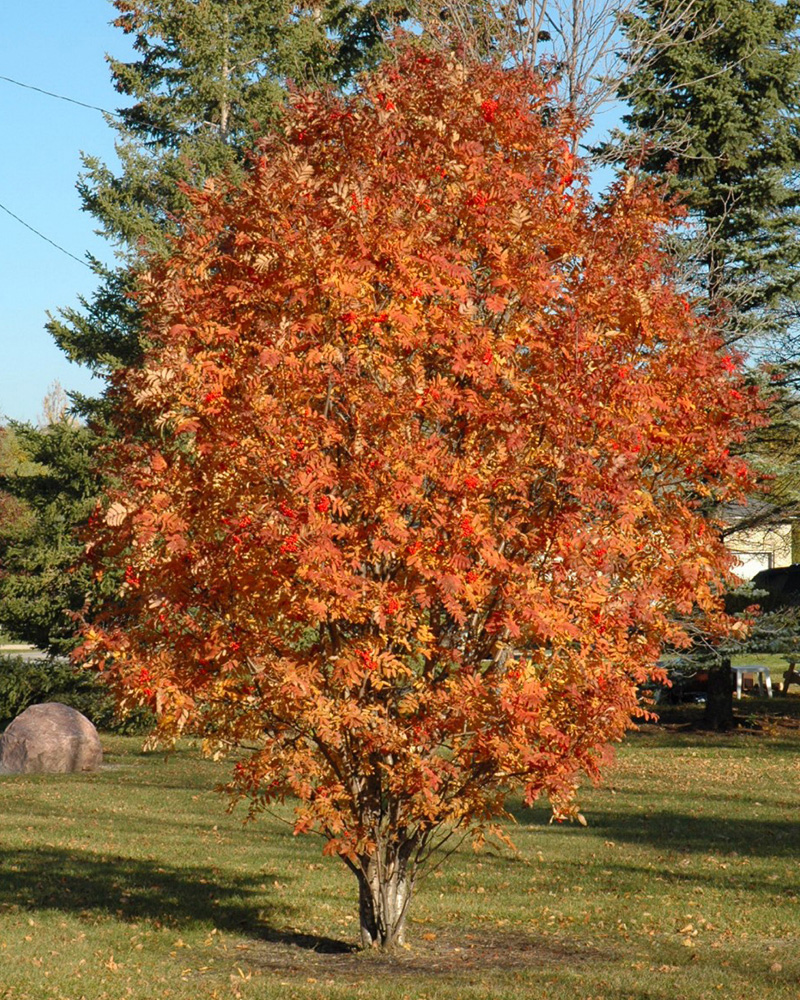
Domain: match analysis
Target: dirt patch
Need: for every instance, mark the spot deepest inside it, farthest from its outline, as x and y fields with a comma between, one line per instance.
x=448, y=953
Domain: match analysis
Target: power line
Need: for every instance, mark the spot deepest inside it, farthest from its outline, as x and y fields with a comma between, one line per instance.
x=104, y=111
x=47, y=239
x=81, y=104
x=70, y=100
x=60, y=97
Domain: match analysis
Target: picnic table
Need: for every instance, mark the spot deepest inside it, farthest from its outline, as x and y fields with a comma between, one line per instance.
x=761, y=676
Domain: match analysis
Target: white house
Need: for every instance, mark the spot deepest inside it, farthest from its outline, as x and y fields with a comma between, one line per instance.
x=761, y=537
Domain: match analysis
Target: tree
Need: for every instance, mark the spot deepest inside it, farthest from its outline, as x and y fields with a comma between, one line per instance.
x=47, y=486
x=408, y=480
x=204, y=73
x=721, y=113
x=207, y=74
x=578, y=45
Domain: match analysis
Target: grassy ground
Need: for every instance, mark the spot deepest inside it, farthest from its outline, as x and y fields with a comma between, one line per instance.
x=135, y=883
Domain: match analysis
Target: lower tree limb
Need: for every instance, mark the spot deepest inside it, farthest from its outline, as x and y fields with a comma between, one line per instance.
x=790, y=677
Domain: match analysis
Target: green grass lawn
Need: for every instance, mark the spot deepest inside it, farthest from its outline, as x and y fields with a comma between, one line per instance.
x=135, y=883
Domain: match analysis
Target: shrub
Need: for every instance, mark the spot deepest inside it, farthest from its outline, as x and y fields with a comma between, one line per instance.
x=30, y=682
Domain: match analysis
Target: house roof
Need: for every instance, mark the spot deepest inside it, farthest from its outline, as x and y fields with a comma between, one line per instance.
x=756, y=513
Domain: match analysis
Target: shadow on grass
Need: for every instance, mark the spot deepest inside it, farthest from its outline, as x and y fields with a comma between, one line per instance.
x=750, y=709
x=667, y=830
x=92, y=886
x=706, y=739
x=767, y=838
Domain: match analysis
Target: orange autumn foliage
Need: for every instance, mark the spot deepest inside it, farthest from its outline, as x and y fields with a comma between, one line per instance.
x=409, y=484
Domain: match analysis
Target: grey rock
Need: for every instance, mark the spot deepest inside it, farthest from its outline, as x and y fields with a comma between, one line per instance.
x=50, y=738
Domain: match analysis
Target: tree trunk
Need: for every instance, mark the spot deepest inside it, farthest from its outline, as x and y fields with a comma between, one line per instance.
x=384, y=894
x=719, y=705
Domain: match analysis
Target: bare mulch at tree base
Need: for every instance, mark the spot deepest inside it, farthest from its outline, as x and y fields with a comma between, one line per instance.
x=429, y=954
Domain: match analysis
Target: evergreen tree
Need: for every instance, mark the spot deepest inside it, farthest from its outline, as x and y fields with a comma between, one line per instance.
x=206, y=77
x=47, y=487
x=720, y=103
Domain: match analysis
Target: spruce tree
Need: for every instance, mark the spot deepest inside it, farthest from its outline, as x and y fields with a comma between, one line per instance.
x=47, y=487
x=720, y=104
x=207, y=76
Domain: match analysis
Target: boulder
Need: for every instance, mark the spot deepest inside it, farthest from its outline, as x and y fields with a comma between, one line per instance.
x=50, y=738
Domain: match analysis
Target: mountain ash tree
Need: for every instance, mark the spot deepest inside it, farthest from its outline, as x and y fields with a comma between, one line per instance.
x=420, y=501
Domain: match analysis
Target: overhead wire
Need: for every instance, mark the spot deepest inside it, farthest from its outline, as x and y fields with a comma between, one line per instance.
x=60, y=97
x=47, y=239
x=80, y=104
x=96, y=107
x=70, y=100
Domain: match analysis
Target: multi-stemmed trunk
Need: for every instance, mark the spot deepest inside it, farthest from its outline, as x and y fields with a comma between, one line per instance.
x=385, y=886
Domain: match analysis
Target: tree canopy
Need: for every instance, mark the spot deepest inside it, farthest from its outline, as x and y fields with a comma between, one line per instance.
x=408, y=486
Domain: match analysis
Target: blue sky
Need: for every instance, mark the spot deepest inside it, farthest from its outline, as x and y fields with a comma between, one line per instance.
x=58, y=46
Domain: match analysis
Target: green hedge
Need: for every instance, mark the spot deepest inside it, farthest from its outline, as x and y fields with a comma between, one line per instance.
x=30, y=682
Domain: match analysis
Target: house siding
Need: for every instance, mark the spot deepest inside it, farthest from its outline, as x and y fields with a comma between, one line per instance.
x=761, y=548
